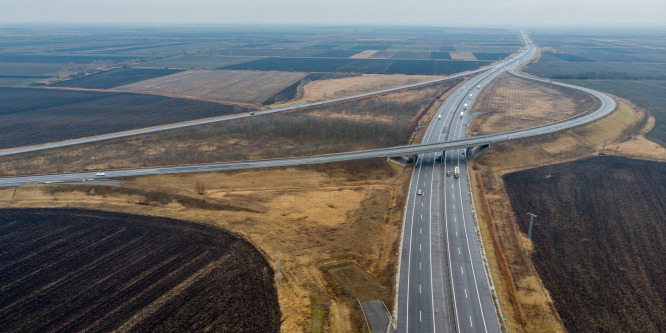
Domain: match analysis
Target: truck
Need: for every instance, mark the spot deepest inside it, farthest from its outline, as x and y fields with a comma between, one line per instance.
x=456, y=172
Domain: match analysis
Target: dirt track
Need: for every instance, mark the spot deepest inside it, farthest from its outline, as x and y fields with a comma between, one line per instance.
x=74, y=270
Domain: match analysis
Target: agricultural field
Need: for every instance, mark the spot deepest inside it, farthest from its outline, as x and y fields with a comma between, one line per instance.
x=610, y=55
x=115, y=77
x=31, y=116
x=333, y=222
x=380, y=121
x=367, y=66
x=599, y=241
x=103, y=271
x=252, y=87
x=197, y=61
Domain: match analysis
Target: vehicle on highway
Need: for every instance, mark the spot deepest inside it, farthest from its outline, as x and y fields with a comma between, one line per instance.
x=439, y=117
x=478, y=87
x=462, y=114
x=448, y=173
x=465, y=106
x=419, y=192
x=101, y=174
x=456, y=172
x=470, y=95
x=251, y=113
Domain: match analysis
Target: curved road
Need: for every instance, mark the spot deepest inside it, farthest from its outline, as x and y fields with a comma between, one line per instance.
x=443, y=285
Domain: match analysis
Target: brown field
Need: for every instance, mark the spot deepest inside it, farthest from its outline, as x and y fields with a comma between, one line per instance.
x=525, y=301
x=380, y=121
x=252, y=87
x=336, y=88
x=332, y=222
x=599, y=242
x=462, y=55
x=77, y=270
x=364, y=54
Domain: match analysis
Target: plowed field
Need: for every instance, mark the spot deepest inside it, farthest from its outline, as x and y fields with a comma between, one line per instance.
x=599, y=240
x=80, y=270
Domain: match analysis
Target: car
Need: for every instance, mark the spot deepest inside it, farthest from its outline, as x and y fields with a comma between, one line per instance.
x=419, y=192
x=439, y=117
x=101, y=174
x=448, y=173
x=251, y=113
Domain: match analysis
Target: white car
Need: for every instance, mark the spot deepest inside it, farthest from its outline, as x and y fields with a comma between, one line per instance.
x=101, y=174
x=439, y=117
x=419, y=192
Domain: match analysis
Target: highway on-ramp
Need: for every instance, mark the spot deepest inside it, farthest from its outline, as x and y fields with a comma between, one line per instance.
x=443, y=285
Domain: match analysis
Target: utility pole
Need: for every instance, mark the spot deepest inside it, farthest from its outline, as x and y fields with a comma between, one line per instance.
x=529, y=231
x=279, y=279
x=550, y=168
x=603, y=150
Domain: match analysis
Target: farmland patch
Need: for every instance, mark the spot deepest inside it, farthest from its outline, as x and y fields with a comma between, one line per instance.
x=225, y=85
x=115, y=77
x=101, y=271
x=369, y=66
x=33, y=116
x=599, y=240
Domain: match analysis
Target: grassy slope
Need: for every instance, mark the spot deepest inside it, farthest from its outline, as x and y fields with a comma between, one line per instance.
x=649, y=94
x=599, y=240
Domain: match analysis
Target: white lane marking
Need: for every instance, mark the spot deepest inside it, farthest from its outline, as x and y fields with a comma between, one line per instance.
x=421, y=318
x=453, y=206
x=420, y=231
x=456, y=233
x=471, y=324
x=461, y=271
x=459, y=251
x=419, y=265
x=455, y=219
x=465, y=292
x=421, y=203
x=421, y=216
x=420, y=248
x=419, y=288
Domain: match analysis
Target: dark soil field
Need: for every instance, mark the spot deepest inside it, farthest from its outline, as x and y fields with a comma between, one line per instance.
x=78, y=270
x=115, y=77
x=599, y=240
x=367, y=66
x=33, y=116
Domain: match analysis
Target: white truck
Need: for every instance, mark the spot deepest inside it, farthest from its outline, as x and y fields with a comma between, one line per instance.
x=456, y=172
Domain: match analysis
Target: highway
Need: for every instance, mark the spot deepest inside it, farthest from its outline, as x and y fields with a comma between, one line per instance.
x=442, y=282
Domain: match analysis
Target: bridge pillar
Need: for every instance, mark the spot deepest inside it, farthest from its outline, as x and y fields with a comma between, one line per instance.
x=473, y=152
x=403, y=161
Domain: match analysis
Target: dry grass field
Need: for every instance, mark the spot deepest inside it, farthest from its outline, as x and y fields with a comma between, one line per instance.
x=252, y=87
x=511, y=103
x=462, y=55
x=331, y=222
x=525, y=301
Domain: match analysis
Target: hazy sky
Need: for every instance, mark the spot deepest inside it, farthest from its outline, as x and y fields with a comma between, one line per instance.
x=401, y=12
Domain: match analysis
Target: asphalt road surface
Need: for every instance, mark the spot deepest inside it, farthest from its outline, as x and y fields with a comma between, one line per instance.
x=442, y=280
